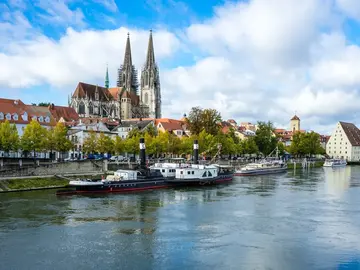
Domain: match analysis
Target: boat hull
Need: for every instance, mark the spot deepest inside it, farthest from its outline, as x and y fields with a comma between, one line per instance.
x=220, y=179
x=334, y=166
x=259, y=172
x=120, y=187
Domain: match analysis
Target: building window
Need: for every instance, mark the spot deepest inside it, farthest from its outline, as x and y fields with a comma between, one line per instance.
x=91, y=109
x=81, y=108
x=47, y=119
x=146, y=99
x=1, y=116
x=8, y=116
x=15, y=117
x=24, y=116
x=41, y=119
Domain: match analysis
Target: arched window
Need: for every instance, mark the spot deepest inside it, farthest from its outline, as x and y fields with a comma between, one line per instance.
x=146, y=98
x=91, y=109
x=81, y=108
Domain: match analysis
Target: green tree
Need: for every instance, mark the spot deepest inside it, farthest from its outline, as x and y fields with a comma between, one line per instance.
x=132, y=144
x=195, y=120
x=62, y=143
x=281, y=148
x=174, y=145
x=104, y=144
x=33, y=138
x=211, y=120
x=250, y=146
x=119, y=145
x=305, y=144
x=50, y=141
x=9, y=137
x=135, y=132
x=207, y=119
x=151, y=130
x=90, y=143
x=44, y=104
x=265, y=138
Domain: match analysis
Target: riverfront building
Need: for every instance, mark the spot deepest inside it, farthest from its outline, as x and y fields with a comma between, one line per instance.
x=344, y=142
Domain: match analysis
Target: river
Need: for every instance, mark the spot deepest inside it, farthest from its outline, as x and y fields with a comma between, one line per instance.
x=299, y=220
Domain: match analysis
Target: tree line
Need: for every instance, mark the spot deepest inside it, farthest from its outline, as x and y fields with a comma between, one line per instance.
x=204, y=125
x=34, y=139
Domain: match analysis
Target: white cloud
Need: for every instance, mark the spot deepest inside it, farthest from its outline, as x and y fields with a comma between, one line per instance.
x=77, y=56
x=350, y=8
x=109, y=4
x=58, y=12
x=263, y=60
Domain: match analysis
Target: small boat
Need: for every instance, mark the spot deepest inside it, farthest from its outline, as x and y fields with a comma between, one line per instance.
x=122, y=180
x=265, y=166
x=198, y=174
x=335, y=163
x=262, y=167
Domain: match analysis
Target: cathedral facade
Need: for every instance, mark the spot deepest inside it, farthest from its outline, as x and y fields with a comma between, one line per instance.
x=124, y=101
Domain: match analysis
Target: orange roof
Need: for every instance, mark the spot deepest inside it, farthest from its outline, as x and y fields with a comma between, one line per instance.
x=67, y=113
x=24, y=112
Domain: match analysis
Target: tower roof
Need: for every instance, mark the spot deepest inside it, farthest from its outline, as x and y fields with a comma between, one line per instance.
x=295, y=117
x=127, y=57
x=150, y=56
x=107, y=77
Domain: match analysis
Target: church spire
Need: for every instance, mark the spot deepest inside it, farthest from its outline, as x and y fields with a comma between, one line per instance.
x=127, y=57
x=107, y=77
x=127, y=74
x=150, y=56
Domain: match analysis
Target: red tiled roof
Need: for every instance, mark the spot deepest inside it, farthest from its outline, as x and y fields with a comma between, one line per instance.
x=67, y=113
x=352, y=133
x=18, y=107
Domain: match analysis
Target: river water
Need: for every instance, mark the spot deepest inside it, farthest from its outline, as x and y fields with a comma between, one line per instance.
x=304, y=220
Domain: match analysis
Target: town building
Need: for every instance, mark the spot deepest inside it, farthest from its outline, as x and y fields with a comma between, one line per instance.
x=344, y=142
x=126, y=126
x=20, y=114
x=285, y=136
x=123, y=101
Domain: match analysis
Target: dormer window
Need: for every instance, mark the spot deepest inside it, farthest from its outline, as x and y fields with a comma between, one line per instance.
x=24, y=116
x=34, y=118
x=15, y=117
x=41, y=119
x=1, y=116
x=47, y=119
x=8, y=116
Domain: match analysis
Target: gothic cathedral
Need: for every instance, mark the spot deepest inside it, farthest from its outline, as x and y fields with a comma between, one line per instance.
x=123, y=101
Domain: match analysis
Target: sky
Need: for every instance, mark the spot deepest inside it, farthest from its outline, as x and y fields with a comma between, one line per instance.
x=255, y=60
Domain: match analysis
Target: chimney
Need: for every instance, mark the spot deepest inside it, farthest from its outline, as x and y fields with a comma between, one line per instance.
x=196, y=152
x=142, y=153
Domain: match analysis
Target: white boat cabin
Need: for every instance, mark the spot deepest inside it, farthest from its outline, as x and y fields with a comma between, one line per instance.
x=168, y=169
x=196, y=171
x=121, y=175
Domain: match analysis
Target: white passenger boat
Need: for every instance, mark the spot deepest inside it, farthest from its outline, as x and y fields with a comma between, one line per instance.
x=335, y=163
x=265, y=166
x=262, y=167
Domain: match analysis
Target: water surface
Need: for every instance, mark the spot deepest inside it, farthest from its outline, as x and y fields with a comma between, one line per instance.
x=304, y=220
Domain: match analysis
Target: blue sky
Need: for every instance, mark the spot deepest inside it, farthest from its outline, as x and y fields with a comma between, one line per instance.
x=251, y=60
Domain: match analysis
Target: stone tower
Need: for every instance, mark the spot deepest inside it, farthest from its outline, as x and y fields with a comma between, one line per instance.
x=127, y=74
x=150, y=82
x=295, y=123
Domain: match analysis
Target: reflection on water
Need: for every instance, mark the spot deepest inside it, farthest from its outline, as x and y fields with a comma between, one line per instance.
x=309, y=219
x=337, y=180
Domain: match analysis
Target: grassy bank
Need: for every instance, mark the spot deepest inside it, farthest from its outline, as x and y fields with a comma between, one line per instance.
x=37, y=183
x=317, y=164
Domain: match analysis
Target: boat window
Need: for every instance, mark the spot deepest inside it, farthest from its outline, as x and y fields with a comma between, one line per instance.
x=209, y=174
x=181, y=172
x=193, y=172
x=163, y=170
x=204, y=174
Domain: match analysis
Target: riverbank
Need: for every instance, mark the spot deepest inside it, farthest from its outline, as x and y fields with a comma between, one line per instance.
x=37, y=183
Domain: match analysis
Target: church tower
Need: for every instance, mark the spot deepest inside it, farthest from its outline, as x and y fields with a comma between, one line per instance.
x=127, y=74
x=150, y=82
x=295, y=123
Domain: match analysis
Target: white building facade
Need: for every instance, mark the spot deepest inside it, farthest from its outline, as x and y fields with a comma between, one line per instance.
x=344, y=142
